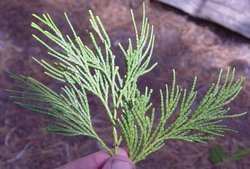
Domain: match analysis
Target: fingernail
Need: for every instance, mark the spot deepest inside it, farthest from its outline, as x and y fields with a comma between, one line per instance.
x=118, y=164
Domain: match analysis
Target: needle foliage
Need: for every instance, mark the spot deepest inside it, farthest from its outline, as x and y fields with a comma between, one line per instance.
x=93, y=70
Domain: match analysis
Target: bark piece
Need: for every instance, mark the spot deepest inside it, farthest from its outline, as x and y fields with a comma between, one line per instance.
x=232, y=14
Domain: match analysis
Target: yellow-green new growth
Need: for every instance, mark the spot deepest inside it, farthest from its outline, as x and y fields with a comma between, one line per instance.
x=94, y=70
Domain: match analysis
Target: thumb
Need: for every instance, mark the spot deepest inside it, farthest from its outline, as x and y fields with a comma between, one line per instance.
x=121, y=161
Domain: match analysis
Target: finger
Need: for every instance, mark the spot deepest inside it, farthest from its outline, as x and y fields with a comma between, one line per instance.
x=93, y=161
x=121, y=161
x=122, y=152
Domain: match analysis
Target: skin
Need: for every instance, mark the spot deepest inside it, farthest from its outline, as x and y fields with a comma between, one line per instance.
x=102, y=160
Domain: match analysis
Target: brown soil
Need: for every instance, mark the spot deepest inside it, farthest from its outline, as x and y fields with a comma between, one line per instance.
x=191, y=46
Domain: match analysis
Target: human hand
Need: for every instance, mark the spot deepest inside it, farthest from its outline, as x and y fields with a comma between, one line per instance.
x=102, y=160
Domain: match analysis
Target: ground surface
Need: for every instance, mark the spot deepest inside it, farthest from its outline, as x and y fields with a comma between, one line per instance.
x=192, y=47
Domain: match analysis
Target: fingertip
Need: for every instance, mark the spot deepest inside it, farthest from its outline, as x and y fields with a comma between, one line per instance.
x=119, y=162
x=122, y=152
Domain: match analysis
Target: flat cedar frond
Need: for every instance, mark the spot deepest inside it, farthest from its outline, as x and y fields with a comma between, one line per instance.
x=70, y=111
x=198, y=125
x=83, y=69
x=203, y=123
x=137, y=127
